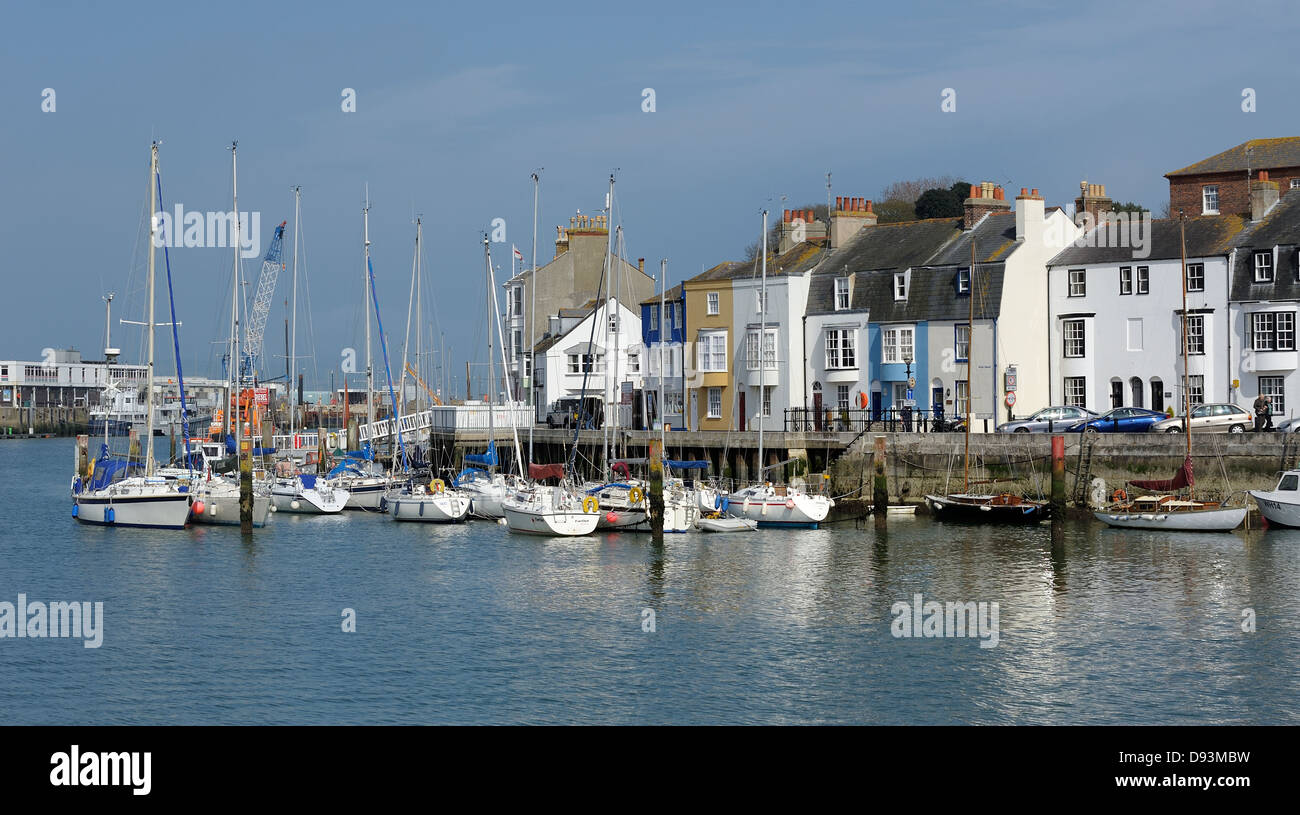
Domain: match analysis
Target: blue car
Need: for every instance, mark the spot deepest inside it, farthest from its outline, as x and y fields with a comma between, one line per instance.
x=1119, y=420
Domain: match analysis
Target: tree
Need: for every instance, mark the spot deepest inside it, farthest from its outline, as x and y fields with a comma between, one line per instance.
x=961, y=189
x=909, y=191
x=938, y=203
x=894, y=210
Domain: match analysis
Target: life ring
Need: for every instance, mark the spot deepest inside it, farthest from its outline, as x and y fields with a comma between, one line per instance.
x=590, y=504
x=862, y=400
x=1118, y=496
x=789, y=503
x=438, y=485
x=635, y=495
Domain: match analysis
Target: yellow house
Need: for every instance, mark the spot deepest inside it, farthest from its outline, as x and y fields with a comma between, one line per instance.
x=710, y=392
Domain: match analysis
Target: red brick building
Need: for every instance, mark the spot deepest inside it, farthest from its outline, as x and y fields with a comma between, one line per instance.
x=1220, y=184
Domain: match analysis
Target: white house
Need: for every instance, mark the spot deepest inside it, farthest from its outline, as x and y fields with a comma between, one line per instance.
x=582, y=349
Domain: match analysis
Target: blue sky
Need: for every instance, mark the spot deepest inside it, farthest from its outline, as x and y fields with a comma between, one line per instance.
x=457, y=104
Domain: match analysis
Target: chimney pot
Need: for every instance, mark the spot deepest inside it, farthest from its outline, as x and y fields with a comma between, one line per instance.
x=868, y=205
x=839, y=202
x=1024, y=191
x=1035, y=193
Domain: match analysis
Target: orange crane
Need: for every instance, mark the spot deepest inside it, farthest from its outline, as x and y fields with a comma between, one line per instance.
x=432, y=396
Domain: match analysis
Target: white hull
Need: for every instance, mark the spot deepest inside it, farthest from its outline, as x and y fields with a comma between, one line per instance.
x=794, y=509
x=448, y=506
x=146, y=506
x=1201, y=520
x=366, y=494
x=221, y=506
x=1280, y=508
x=549, y=511
x=294, y=499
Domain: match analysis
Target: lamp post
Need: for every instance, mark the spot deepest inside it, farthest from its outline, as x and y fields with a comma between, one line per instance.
x=907, y=403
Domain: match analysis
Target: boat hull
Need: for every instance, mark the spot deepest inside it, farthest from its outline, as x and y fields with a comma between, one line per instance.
x=976, y=509
x=721, y=525
x=169, y=511
x=1206, y=520
x=1279, y=509
x=222, y=508
x=445, y=507
x=553, y=523
x=308, y=502
x=794, y=511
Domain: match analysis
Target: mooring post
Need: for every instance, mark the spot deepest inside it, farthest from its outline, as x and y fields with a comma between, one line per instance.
x=656, y=490
x=880, y=482
x=354, y=435
x=321, y=454
x=246, y=486
x=1058, y=477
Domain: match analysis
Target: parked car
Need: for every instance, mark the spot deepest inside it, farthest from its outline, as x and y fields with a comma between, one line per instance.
x=565, y=413
x=1119, y=420
x=1288, y=425
x=1222, y=417
x=1048, y=420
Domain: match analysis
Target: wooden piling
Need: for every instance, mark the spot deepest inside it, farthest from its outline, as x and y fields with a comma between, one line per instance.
x=246, y=486
x=1058, y=477
x=655, y=455
x=880, y=482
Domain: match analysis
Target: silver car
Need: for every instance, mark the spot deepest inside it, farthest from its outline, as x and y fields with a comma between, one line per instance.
x=1048, y=420
x=1214, y=418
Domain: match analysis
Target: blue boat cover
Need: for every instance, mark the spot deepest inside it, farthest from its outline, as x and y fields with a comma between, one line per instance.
x=488, y=459
x=688, y=465
x=308, y=481
x=603, y=487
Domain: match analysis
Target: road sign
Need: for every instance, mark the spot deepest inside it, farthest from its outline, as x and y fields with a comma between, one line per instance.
x=911, y=383
x=1011, y=378
x=1011, y=398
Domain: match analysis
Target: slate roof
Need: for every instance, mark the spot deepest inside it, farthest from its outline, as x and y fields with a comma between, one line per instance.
x=1207, y=235
x=1256, y=154
x=1280, y=227
x=675, y=293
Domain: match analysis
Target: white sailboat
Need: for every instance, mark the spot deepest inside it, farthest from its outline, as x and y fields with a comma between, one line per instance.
x=145, y=500
x=765, y=503
x=1171, y=512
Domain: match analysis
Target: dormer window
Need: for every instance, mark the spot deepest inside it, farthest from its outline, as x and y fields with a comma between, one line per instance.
x=1263, y=267
x=841, y=293
x=900, y=286
x=963, y=281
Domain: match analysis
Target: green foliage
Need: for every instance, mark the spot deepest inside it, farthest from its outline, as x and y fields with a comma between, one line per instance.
x=1127, y=206
x=895, y=210
x=961, y=189
x=938, y=203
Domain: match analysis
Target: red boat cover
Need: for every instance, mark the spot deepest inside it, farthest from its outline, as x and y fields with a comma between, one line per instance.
x=1183, y=478
x=621, y=468
x=539, y=471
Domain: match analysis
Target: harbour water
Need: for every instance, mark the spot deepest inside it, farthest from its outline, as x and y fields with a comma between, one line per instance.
x=471, y=624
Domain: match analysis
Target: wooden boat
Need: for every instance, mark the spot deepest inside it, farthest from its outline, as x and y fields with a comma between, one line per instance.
x=1168, y=512
x=1001, y=508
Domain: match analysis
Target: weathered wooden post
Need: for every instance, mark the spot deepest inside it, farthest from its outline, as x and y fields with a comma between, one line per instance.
x=246, y=486
x=1058, y=477
x=656, y=490
x=321, y=454
x=880, y=482
x=354, y=435
x=133, y=444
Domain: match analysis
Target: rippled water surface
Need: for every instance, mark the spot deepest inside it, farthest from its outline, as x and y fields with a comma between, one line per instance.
x=460, y=624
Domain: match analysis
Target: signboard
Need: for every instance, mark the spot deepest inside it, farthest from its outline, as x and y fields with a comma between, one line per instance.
x=626, y=396
x=262, y=396
x=1011, y=399
x=1010, y=377
x=911, y=383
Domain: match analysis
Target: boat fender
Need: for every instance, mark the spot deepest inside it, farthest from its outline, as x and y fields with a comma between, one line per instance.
x=1161, y=517
x=197, y=507
x=421, y=509
x=294, y=504
x=763, y=511
x=590, y=504
x=789, y=503
x=109, y=515
x=438, y=485
x=717, y=500
x=636, y=495
x=212, y=509
x=1027, y=510
x=383, y=505
x=726, y=504
x=75, y=509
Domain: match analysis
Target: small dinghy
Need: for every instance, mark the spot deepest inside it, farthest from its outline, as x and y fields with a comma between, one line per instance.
x=721, y=523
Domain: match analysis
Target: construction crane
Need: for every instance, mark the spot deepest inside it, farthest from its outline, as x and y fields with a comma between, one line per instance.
x=410, y=369
x=256, y=328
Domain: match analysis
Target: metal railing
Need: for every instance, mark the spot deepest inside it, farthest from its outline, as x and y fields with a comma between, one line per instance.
x=892, y=420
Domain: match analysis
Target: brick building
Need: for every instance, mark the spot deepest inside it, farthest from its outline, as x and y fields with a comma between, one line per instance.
x=1220, y=184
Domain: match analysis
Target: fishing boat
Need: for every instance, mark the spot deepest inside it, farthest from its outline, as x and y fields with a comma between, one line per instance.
x=119, y=492
x=767, y=504
x=980, y=507
x=1281, y=505
x=1180, y=512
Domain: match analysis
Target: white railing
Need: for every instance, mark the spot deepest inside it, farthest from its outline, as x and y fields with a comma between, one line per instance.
x=451, y=418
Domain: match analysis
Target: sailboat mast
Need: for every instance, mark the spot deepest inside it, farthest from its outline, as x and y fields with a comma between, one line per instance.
x=293, y=318
x=492, y=371
x=970, y=359
x=1187, y=390
x=148, y=391
x=532, y=322
x=365, y=280
x=663, y=283
x=762, y=343
x=609, y=272
x=236, y=378
x=511, y=398
x=420, y=378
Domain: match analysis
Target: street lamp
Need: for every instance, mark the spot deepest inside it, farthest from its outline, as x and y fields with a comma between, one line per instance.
x=907, y=403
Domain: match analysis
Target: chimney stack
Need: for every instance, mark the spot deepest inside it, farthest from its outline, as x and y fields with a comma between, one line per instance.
x=640, y=265
x=561, y=240
x=1094, y=201
x=1030, y=225
x=797, y=226
x=985, y=198
x=851, y=216
x=1263, y=195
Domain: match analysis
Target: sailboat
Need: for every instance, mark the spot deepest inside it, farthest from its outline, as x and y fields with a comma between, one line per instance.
x=1185, y=514
x=766, y=503
x=979, y=507
x=413, y=500
x=486, y=487
x=123, y=492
